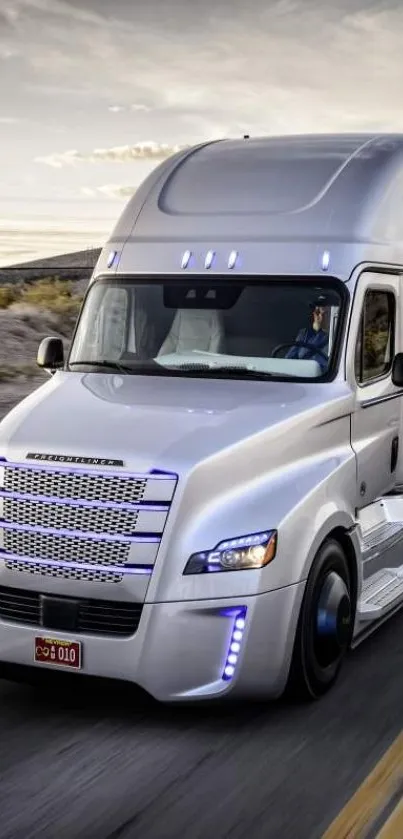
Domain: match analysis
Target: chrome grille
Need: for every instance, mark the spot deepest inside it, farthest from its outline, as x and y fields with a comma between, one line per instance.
x=62, y=572
x=65, y=484
x=65, y=548
x=37, y=502
x=68, y=517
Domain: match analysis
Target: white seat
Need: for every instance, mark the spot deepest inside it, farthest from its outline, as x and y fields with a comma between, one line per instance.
x=194, y=329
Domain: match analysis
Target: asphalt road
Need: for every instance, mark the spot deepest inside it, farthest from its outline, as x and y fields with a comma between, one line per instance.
x=105, y=764
x=108, y=764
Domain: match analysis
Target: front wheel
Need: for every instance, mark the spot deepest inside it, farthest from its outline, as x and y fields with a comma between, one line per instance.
x=325, y=625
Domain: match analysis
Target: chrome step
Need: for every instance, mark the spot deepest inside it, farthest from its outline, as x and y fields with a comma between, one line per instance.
x=381, y=593
x=380, y=524
x=380, y=531
x=377, y=539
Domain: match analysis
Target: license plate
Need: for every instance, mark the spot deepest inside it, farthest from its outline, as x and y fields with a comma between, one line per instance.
x=60, y=653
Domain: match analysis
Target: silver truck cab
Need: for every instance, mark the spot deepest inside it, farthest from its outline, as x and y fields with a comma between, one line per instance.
x=206, y=496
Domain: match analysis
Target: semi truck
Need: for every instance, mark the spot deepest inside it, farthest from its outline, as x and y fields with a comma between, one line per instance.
x=205, y=497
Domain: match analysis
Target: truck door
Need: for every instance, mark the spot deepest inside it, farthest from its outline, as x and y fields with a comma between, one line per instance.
x=375, y=425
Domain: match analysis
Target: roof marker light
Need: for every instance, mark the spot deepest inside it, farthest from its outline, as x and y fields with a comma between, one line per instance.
x=186, y=259
x=209, y=259
x=111, y=258
x=325, y=260
x=232, y=259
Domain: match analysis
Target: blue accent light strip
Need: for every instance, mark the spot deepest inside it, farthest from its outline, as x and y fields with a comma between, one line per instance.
x=67, y=468
x=80, y=566
x=74, y=534
x=90, y=505
x=236, y=641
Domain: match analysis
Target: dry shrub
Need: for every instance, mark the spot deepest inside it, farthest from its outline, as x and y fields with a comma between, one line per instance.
x=48, y=294
x=30, y=312
x=8, y=294
x=54, y=295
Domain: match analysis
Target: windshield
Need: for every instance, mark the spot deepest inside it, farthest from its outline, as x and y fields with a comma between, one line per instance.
x=209, y=327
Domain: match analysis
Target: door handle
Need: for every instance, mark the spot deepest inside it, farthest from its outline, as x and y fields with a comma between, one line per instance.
x=394, y=451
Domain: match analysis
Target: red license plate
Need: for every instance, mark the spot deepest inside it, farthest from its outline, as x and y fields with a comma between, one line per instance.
x=60, y=653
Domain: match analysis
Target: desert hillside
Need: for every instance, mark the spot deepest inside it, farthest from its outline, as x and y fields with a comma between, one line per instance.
x=37, y=299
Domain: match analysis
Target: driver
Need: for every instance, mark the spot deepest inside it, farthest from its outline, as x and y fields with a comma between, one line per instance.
x=312, y=336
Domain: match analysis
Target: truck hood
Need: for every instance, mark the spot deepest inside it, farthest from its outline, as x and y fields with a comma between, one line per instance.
x=163, y=422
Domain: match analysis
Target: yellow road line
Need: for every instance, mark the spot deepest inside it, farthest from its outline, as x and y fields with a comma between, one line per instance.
x=393, y=828
x=373, y=794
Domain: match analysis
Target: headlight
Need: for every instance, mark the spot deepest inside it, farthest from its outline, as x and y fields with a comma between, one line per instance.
x=244, y=553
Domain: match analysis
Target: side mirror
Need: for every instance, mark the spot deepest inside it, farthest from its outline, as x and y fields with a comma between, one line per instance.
x=397, y=370
x=50, y=354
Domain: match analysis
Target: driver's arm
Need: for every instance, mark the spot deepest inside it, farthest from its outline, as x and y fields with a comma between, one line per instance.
x=322, y=361
x=293, y=351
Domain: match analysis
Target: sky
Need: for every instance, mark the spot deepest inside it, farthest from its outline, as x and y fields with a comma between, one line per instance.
x=95, y=93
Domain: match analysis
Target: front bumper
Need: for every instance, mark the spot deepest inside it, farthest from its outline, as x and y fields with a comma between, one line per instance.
x=179, y=650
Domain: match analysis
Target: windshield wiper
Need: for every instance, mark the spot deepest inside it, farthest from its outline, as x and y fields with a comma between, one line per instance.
x=113, y=365
x=213, y=368
x=169, y=370
x=138, y=368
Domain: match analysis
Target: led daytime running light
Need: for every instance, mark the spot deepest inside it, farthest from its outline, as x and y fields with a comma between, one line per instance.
x=235, y=644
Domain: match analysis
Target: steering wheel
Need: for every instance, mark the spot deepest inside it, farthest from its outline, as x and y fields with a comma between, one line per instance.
x=310, y=347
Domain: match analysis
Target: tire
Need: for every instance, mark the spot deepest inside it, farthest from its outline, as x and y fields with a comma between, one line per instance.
x=325, y=625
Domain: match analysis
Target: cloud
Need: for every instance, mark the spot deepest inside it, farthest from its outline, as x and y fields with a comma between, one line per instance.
x=136, y=108
x=59, y=8
x=9, y=121
x=140, y=107
x=56, y=91
x=291, y=65
x=115, y=191
x=9, y=13
x=118, y=154
x=264, y=67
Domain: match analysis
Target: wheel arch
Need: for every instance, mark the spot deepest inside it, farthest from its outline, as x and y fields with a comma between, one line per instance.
x=298, y=682
x=345, y=539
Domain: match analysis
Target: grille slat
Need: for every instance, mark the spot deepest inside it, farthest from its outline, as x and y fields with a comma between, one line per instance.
x=66, y=549
x=99, y=619
x=86, y=503
x=64, y=484
x=18, y=599
x=97, y=613
x=64, y=517
x=101, y=625
x=62, y=572
x=16, y=607
x=14, y=619
x=111, y=617
x=32, y=616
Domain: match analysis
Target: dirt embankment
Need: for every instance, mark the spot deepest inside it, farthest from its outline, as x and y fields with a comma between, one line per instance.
x=21, y=332
x=37, y=300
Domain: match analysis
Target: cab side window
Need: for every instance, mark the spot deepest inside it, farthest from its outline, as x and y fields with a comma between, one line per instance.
x=375, y=343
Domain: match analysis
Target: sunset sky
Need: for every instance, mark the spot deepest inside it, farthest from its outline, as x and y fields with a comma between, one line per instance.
x=94, y=92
